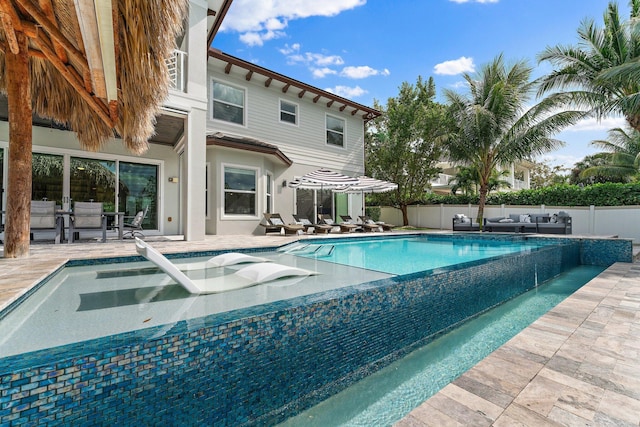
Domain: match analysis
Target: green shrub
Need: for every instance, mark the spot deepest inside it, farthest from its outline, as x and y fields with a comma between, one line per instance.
x=605, y=194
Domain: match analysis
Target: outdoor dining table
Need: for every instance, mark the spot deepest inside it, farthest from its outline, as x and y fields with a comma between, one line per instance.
x=119, y=216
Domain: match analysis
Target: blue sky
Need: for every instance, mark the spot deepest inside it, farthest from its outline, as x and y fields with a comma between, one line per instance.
x=364, y=49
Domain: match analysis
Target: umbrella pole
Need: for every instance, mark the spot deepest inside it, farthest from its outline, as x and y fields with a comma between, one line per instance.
x=18, y=217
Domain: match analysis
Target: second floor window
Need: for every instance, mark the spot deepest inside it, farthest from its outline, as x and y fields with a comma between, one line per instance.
x=288, y=112
x=228, y=103
x=335, y=131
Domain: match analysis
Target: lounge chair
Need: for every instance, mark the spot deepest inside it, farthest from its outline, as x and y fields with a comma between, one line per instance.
x=461, y=222
x=274, y=222
x=348, y=220
x=252, y=275
x=87, y=216
x=367, y=220
x=308, y=225
x=344, y=227
x=134, y=228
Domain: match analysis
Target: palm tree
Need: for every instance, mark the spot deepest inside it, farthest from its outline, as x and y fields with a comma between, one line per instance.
x=601, y=73
x=621, y=157
x=493, y=128
x=467, y=180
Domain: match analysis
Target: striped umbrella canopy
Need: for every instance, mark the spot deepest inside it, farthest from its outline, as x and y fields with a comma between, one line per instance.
x=368, y=185
x=323, y=178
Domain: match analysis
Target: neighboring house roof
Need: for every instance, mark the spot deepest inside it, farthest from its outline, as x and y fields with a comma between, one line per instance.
x=271, y=79
x=247, y=144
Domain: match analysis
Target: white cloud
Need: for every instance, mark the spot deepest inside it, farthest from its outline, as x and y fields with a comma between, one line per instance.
x=362, y=72
x=461, y=84
x=456, y=66
x=566, y=161
x=260, y=17
x=319, y=73
x=289, y=50
x=592, y=124
x=346, y=91
x=258, y=39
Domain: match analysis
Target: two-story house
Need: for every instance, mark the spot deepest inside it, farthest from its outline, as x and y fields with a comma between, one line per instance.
x=230, y=137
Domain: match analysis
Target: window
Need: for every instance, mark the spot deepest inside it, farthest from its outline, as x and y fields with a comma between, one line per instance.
x=288, y=112
x=239, y=191
x=335, y=131
x=228, y=103
x=138, y=190
x=269, y=194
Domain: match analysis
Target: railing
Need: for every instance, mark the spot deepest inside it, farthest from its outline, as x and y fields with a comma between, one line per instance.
x=177, y=66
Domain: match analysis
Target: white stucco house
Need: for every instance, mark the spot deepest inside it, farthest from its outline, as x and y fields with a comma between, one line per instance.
x=230, y=137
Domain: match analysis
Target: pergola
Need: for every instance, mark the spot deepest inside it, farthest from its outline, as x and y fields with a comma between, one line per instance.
x=97, y=66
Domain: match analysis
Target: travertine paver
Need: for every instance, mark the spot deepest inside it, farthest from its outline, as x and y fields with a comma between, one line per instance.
x=578, y=365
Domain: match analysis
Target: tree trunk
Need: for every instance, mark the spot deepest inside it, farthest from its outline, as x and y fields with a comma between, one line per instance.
x=405, y=215
x=19, y=183
x=482, y=200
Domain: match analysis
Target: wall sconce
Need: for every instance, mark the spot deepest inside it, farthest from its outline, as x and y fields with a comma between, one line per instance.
x=173, y=179
x=284, y=183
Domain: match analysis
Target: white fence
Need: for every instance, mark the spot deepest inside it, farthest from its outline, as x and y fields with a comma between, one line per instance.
x=621, y=221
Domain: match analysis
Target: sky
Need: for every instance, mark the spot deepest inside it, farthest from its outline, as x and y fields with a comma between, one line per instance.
x=365, y=49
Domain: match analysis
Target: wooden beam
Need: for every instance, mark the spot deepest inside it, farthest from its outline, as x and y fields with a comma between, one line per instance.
x=267, y=82
x=47, y=8
x=227, y=69
x=316, y=98
x=330, y=103
x=55, y=34
x=286, y=88
x=343, y=107
x=248, y=76
x=301, y=93
x=18, y=217
x=353, y=113
x=76, y=82
x=211, y=12
x=11, y=24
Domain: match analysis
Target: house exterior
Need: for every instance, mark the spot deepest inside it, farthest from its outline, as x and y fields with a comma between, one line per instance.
x=230, y=137
x=518, y=176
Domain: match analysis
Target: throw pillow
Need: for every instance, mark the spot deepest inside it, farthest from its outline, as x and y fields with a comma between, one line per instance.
x=505, y=220
x=525, y=218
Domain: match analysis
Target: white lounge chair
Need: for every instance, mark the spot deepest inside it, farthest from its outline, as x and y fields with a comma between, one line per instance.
x=248, y=276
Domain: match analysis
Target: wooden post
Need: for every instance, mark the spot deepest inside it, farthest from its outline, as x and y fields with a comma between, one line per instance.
x=18, y=217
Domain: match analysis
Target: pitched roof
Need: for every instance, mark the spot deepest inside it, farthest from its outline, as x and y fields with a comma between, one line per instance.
x=277, y=81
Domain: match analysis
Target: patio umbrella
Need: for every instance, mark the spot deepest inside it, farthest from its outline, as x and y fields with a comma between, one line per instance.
x=368, y=185
x=323, y=179
x=97, y=66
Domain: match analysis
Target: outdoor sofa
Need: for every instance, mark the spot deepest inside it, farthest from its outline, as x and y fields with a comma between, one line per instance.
x=544, y=223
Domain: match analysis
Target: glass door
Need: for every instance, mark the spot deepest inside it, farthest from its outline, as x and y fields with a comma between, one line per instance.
x=47, y=171
x=138, y=188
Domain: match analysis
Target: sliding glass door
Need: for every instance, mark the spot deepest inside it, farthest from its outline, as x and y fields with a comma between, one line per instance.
x=120, y=186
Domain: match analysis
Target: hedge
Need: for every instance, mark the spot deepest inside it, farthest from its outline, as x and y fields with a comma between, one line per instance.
x=605, y=194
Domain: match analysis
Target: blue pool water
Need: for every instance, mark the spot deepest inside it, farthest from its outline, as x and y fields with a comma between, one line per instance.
x=391, y=393
x=411, y=254
x=123, y=344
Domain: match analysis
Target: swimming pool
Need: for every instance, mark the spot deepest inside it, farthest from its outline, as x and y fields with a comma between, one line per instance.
x=262, y=363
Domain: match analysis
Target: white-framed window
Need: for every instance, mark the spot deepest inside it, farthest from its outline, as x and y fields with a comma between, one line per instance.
x=335, y=131
x=239, y=192
x=268, y=206
x=228, y=103
x=288, y=112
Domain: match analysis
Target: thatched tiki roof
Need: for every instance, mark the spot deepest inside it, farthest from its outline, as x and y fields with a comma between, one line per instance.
x=96, y=65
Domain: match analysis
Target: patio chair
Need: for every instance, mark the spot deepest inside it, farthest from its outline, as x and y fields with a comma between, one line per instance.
x=367, y=220
x=43, y=217
x=134, y=228
x=87, y=216
x=307, y=224
x=274, y=222
x=344, y=227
